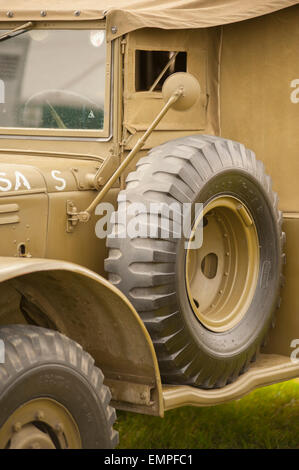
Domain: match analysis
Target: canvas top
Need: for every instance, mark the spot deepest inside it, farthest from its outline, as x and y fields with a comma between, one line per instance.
x=123, y=16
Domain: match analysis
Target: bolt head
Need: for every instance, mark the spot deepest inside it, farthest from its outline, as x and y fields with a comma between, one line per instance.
x=35, y=445
x=40, y=415
x=16, y=427
x=58, y=427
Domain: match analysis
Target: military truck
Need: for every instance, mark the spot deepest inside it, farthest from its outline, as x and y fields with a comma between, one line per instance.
x=144, y=103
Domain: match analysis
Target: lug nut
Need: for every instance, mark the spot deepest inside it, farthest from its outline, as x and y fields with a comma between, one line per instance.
x=58, y=427
x=16, y=427
x=39, y=415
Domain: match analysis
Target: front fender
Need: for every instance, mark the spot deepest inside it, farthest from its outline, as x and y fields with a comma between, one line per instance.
x=87, y=308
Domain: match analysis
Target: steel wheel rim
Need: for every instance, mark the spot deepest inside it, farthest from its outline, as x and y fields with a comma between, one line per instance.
x=42, y=423
x=221, y=275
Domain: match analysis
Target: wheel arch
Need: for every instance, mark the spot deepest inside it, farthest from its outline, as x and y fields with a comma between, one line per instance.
x=90, y=310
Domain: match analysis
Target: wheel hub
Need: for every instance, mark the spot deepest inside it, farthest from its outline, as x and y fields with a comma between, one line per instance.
x=30, y=437
x=221, y=275
x=41, y=423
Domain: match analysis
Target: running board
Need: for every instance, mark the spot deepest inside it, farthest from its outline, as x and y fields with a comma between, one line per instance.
x=267, y=370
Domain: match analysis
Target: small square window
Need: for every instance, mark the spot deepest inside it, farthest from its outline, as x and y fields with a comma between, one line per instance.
x=153, y=67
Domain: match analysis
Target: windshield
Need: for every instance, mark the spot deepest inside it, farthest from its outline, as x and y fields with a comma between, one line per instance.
x=53, y=79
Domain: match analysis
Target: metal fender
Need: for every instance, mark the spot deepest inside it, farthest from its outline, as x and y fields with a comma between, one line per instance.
x=88, y=309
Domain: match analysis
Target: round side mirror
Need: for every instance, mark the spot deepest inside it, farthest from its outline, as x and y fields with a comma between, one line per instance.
x=190, y=86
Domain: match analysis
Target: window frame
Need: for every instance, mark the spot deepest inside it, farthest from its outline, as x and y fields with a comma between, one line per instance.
x=141, y=107
x=149, y=48
x=94, y=134
x=161, y=49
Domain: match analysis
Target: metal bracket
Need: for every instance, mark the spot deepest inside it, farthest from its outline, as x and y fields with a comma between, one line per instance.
x=74, y=217
x=85, y=180
x=105, y=171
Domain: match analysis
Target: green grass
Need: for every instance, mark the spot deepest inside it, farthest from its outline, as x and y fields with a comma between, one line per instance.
x=267, y=418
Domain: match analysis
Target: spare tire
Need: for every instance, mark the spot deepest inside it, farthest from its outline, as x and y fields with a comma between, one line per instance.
x=208, y=310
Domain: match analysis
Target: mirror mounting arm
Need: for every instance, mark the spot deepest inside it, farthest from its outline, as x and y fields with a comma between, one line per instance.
x=84, y=216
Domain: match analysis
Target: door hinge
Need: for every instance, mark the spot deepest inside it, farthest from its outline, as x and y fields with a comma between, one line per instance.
x=123, y=46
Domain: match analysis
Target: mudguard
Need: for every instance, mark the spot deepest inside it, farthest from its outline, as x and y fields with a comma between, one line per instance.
x=87, y=308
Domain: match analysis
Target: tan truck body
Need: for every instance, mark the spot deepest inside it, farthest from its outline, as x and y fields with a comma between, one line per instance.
x=249, y=78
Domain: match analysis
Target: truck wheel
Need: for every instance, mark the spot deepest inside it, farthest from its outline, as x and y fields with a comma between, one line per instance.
x=51, y=394
x=209, y=309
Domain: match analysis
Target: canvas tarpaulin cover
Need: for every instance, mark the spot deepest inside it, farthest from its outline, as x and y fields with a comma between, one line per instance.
x=127, y=15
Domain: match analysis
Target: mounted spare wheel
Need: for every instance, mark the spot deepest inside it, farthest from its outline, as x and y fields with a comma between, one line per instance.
x=207, y=308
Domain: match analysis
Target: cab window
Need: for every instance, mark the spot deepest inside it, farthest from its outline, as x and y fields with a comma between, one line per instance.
x=153, y=67
x=53, y=79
